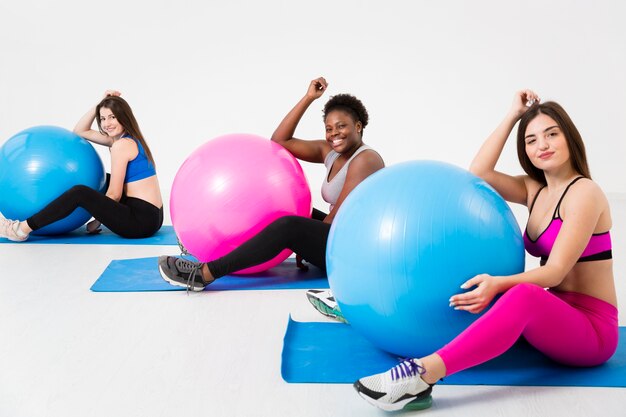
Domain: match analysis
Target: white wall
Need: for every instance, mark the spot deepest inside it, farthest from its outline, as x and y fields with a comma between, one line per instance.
x=436, y=76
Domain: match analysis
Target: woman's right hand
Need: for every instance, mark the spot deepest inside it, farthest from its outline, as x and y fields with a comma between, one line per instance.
x=317, y=88
x=522, y=101
x=111, y=93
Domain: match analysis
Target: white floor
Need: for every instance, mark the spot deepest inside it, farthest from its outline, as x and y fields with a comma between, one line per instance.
x=65, y=351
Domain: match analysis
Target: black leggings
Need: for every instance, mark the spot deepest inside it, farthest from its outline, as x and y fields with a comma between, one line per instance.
x=130, y=217
x=306, y=237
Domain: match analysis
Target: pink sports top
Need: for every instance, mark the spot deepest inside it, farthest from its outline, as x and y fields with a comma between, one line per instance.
x=598, y=248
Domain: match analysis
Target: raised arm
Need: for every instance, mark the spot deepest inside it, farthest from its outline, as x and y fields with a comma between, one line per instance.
x=83, y=126
x=361, y=167
x=512, y=188
x=307, y=150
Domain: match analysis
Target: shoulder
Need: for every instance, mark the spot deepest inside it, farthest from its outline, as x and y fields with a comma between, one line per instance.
x=367, y=161
x=369, y=156
x=125, y=146
x=588, y=188
x=585, y=194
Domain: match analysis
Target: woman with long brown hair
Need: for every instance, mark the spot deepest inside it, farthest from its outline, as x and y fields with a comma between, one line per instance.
x=132, y=206
x=567, y=307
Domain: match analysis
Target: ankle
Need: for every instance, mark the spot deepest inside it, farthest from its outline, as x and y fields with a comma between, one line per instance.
x=19, y=230
x=205, y=272
x=430, y=379
x=434, y=368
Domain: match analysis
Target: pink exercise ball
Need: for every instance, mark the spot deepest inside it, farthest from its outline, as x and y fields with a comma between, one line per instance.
x=232, y=187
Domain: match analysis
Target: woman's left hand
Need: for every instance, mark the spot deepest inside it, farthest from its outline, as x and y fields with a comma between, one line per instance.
x=113, y=93
x=479, y=298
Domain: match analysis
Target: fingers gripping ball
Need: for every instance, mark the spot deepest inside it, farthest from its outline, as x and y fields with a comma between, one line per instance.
x=231, y=188
x=39, y=164
x=402, y=244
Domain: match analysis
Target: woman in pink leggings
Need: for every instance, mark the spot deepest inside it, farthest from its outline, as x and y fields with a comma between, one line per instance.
x=567, y=307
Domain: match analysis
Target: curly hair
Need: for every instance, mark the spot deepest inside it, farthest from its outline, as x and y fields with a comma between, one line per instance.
x=349, y=104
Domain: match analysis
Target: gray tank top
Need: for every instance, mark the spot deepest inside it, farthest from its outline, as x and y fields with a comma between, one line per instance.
x=331, y=189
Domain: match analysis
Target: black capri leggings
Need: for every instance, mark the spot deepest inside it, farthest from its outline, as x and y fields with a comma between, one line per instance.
x=130, y=217
x=306, y=237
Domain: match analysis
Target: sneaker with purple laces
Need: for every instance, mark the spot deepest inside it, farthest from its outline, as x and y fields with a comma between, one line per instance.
x=401, y=387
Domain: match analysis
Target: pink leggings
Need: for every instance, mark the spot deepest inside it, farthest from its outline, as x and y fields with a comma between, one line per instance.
x=570, y=328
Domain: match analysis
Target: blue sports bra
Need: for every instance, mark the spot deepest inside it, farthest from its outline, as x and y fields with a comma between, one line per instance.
x=140, y=167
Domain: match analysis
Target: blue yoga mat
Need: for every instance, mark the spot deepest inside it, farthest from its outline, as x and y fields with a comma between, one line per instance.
x=142, y=274
x=165, y=236
x=334, y=353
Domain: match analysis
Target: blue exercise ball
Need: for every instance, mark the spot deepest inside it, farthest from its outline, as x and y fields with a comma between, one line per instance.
x=404, y=241
x=39, y=164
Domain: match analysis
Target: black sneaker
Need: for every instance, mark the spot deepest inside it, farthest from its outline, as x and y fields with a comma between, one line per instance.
x=182, y=272
x=183, y=249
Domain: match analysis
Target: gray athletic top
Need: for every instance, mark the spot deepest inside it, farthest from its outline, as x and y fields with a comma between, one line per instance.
x=331, y=189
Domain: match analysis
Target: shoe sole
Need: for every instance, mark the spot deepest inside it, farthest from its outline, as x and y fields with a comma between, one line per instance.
x=176, y=283
x=325, y=310
x=408, y=404
x=13, y=240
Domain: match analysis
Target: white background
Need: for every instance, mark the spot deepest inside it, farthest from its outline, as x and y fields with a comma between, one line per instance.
x=436, y=77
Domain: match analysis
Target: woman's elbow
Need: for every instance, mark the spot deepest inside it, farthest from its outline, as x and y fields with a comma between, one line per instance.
x=555, y=275
x=114, y=196
x=277, y=138
x=476, y=169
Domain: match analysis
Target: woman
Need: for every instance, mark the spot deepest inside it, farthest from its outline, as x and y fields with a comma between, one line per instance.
x=348, y=160
x=574, y=321
x=132, y=206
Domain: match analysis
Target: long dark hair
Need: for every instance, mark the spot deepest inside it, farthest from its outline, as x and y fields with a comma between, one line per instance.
x=124, y=115
x=578, y=156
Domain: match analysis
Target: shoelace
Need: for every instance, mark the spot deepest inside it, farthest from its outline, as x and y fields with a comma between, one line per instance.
x=406, y=368
x=193, y=268
x=183, y=250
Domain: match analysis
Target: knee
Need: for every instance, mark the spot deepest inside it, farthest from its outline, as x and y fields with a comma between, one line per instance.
x=78, y=190
x=284, y=228
x=76, y=195
x=523, y=291
x=284, y=224
x=521, y=300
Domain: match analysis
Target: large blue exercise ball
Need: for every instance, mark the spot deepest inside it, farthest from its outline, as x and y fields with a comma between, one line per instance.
x=404, y=241
x=39, y=164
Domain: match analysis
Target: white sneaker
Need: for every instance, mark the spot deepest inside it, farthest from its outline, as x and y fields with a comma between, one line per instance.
x=401, y=387
x=8, y=229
